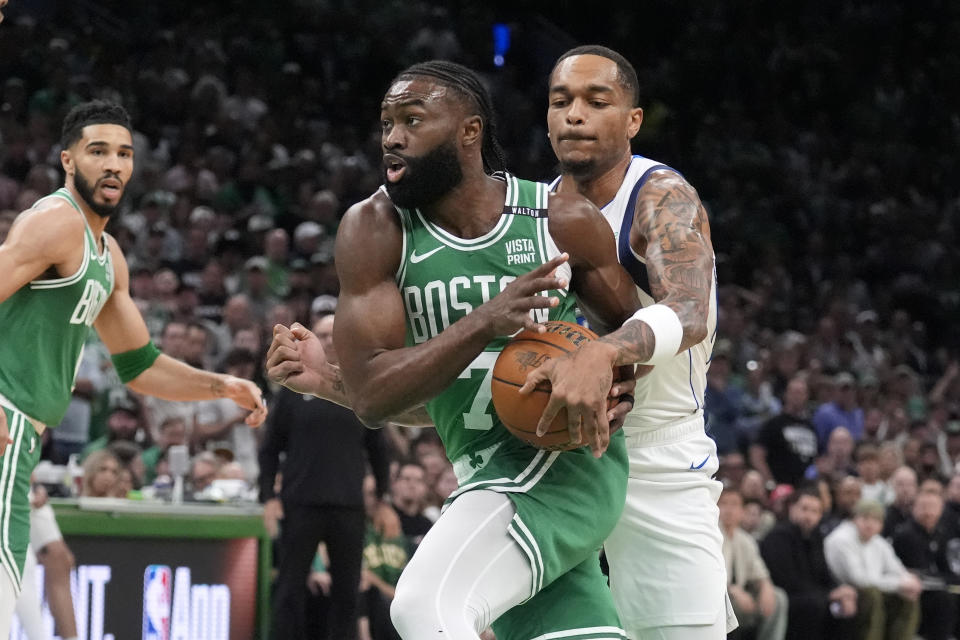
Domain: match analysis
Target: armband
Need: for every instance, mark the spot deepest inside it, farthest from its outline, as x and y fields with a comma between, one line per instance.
x=667, y=331
x=131, y=364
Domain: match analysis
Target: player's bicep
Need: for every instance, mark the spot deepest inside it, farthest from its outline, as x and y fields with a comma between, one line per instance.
x=120, y=325
x=603, y=287
x=370, y=316
x=679, y=255
x=19, y=267
x=37, y=240
x=369, y=322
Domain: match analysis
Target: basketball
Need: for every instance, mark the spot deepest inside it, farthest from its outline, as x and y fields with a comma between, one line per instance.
x=524, y=353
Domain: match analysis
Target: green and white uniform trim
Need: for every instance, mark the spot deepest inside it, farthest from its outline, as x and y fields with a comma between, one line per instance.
x=591, y=633
x=566, y=502
x=46, y=324
x=16, y=465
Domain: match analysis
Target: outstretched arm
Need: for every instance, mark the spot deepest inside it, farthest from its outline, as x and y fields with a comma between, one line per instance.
x=123, y=331
x=670, y=228
x=296, y=360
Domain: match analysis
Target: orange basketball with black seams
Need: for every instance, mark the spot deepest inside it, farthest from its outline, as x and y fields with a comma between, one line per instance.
x=524, y=353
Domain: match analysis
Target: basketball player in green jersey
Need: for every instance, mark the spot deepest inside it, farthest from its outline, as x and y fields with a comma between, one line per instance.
x=436, y=270
x=63, y=274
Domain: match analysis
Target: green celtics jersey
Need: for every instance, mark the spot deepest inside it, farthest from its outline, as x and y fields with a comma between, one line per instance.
x=44, y=326
x=442, y=278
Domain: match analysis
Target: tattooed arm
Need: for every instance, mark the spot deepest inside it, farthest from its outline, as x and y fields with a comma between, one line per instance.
x=670, y=229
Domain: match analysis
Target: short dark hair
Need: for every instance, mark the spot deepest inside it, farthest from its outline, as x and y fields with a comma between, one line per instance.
x=93, y=112
x=469, y=85
x=626, y=74
x=808, y=489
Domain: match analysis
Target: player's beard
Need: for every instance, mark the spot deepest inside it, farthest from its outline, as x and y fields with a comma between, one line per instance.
x=579, y=169
x=427, y=178
x=102, y=209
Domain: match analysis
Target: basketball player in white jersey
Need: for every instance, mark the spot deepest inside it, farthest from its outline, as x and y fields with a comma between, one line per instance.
x=666, y=567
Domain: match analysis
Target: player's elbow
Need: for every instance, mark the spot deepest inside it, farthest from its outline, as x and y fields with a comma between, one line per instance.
x=694, y=332
x=370, y=412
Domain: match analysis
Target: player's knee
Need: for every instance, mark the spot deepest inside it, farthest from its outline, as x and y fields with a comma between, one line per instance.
x=414, y=611
x=408, y=611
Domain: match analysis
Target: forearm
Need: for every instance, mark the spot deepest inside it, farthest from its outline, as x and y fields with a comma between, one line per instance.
x=415, y=417
x=172, y=379
x=394, y=381
x=635, y=342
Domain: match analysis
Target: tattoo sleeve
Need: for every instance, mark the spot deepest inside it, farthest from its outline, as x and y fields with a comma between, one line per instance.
x=671, y=230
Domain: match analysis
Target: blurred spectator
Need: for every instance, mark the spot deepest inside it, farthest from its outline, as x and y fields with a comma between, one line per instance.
x=723, y=402
x=837, y=461
x=923, y=546
x=820, y=607
x=256, y=286
x=903, y=483
x=132, y=470
x=890, y=459
x=842, y=411
x=952, y=506
x=100, y=474
x=73, y=433
x=123, y=424
x=172, y=431
x=385, y=554
x=731, y=469
x=887, y=594
x=757, y=519
x=759, y=403
x=277, y=252
x=873, y=488
x=220, y=424
x=752, y=487
x=928, y=462
x=780, y=501
x=847, y=492
x=408, y=496
x=948, y=446
x=758, y=604
x=203, y=471
x=786, y=444
x=327, y=449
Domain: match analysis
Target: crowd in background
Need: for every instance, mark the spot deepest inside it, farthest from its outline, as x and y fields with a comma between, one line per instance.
x=822, y=142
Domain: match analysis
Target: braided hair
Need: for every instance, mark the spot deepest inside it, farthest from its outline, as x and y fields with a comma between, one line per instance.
x=468, y=84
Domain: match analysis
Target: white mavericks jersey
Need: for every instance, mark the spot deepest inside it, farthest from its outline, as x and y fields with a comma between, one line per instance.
x=673, y=391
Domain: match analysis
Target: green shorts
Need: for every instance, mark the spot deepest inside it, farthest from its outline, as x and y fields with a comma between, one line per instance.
x=575, y=606
x=567, y=504
x=16, y=465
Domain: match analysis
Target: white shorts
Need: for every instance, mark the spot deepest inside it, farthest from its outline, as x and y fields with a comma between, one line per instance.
x=43, y=527
x=665, y=554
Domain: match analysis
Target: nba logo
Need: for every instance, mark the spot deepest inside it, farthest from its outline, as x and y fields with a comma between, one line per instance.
x=157, y=582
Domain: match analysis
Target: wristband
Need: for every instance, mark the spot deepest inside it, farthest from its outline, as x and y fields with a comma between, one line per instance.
x=131, y=364
x=667, y=331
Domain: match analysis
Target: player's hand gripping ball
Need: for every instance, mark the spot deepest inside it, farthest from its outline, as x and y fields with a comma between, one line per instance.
x=524, y=353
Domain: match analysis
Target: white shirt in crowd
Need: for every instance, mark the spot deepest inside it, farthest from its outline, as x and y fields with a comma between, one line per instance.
x=863, y=564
